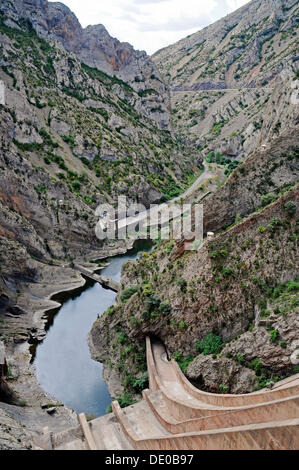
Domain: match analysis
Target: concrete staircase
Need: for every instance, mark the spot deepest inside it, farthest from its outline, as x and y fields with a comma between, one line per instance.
x=175, y=415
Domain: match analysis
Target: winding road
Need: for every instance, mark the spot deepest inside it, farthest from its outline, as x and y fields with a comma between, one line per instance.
x=154, y=211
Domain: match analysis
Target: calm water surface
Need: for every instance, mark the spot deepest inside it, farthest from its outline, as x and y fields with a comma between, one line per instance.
x=63, y=364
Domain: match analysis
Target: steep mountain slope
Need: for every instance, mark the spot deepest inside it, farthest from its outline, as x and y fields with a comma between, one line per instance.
x=236, y=290
x=222, y=78
x=235, y=122
x=72, y=137
x=87, y=118
x=96, y=48
x=245, y=49
x=75, y=134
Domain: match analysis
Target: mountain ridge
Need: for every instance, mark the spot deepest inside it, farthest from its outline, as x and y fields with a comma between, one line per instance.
x=74, y=136
x=225, y=78
x=223, y=43
x=95, y=47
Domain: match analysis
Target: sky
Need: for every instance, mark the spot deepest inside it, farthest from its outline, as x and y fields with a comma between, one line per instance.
x=151, y=24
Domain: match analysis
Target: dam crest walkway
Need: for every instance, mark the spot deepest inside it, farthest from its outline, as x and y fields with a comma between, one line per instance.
x=174, y=415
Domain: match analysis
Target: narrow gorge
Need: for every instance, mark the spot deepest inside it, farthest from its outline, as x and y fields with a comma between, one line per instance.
x=210, y=120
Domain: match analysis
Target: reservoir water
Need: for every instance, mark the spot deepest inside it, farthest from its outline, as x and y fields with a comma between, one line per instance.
x=62, y=360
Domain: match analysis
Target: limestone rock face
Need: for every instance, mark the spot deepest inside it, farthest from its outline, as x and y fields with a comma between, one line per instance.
x=13, y=436
x=245, y=48
x=95, y=47
x=258, y=344
x=209, y=374
x=226, y=287
x=233, y=84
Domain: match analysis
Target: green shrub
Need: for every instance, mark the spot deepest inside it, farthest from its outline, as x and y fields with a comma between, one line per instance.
x=145, y=315
x=76, y=185
x=69, y=139
x=169, y=248
x=228, y=271
x=292, y=286
x=47, y=137
x=134, y=322
x=211, y=344
x=152, y=302
x=223, y=388
x=217, y=253
x=274, y=224
x=147, y=289
x=267, y=199
x=182, y=361
x=182, y=283
x=290, y=208
x=141, y=383
x=154, y=314
x=41, y=189
x=103, y=112
x=86, y=162
x=127, y=293
x=27, y=147
x=165, y=308
x=274, y=336
x=240, y=359
x=124, y=401
x=110, y=311
x=256, y=365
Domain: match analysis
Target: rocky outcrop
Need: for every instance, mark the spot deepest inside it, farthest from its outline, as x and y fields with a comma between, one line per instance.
x=277, y=353
x=247, y=48
x=235, y=122
x=228, y=372
x=6, y=394
x=220, y=374
x=13, y=436
x=234, y=83
x=263, y=172
x=96, y=48
x=227, y=287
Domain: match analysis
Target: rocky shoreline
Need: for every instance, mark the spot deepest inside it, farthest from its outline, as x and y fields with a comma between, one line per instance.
x=30, y=415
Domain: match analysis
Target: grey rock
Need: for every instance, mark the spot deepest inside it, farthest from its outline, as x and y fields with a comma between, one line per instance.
x=96, y=48
x=16, y=310
x=209, y=374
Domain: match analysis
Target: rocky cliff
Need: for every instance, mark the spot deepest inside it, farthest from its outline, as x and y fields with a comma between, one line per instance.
x=234, y=122
x=72, y=137
x=223, y=78
x=244, y=49
x=234, y=95
x=234, y=300
x=96, y=48
x=86, y=118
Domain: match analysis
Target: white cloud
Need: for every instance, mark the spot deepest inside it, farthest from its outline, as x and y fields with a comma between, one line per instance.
x=151, y=24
